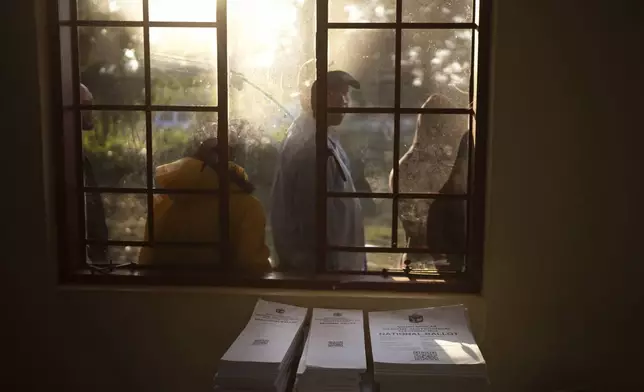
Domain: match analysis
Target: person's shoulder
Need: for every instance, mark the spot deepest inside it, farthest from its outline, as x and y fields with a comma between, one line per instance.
x=298, y=148
x=250, y=206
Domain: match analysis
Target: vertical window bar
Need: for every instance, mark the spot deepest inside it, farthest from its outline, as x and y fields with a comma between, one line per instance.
x=470, y=146
x=149, y=164
x=483, y=44
x=56, y=52
x=78, y=132
x=222, y=131
x=396, y=157
x=321, y=54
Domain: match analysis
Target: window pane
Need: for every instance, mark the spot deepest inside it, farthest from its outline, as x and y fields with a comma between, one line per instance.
x=377, y=221
x=112, y=64
x=377, y=214
x=66, y=65
x=270, y=56
x=118, y=255
x=437, y=11
x=255, y=148
x=110, y=10
x=63, y=10
x=122, y=219
x=178, y=134
x=436, y=62
x=438, y=161
x=367, y=54
x=184, y=10
x=183, y=66
x=365, y=149
x=419, y=262
x=115, y=149
x=362, y=11
x=436, y=224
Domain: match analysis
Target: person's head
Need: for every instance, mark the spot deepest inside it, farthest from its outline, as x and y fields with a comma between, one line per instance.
x=86, y=98
x=208, y=153
x=338, y=83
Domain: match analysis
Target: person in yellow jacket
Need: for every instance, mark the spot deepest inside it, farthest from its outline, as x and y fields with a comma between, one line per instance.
x=195, y=217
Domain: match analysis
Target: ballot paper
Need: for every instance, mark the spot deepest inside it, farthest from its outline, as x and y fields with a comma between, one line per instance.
x=419, y=348
x=269, y=333
x=334, y=356
x=337, y=340
x=260, y=358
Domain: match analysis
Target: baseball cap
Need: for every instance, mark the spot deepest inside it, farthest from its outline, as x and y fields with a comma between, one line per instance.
x=336, y=80
x=339, y=78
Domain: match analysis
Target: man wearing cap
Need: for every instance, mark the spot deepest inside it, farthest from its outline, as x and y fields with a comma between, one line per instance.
x=293, y=217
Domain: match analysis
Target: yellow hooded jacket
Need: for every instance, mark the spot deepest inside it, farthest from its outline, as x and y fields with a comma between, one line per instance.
x=195, y=218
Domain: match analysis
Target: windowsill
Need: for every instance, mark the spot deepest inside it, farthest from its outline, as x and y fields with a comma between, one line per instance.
x=353, y=284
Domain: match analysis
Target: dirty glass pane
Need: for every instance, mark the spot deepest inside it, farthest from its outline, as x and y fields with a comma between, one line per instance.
x=439, y=158
x=419, y=262
x=124, y=216
x=176, y=135
x=362, y=11
x=114, y=149
x=184, y=10
x=367, y=54
x=437, y=11
x=271, y=62
x=367, y=141
x=436, y=63
x=130, y=10
x=111, y=64
x=183, y=66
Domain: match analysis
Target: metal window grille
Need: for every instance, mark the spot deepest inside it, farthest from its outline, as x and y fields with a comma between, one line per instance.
x=68, y=149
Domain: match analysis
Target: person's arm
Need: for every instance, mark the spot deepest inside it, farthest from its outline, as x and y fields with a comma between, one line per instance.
x=249, y=239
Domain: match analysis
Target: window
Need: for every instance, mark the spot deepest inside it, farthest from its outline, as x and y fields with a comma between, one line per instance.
x=165, y=76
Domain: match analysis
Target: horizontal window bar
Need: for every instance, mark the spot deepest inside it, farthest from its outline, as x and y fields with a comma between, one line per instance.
x=385, y=249
x=386, y=195
x=357, y=110
x=342, y=281
x=134, y=23
x=145, y=191
x=407, y=25
x=186, y=244
x=278, y=275
x=401, y=110
x=153, y=108
x=365, y=195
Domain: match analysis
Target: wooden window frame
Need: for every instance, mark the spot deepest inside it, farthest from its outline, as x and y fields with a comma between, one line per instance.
x=71, y=189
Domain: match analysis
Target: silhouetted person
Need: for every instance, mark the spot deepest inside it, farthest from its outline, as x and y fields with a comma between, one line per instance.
x=446, y=225
x=426, y=168
x=195, y=217
x=94, y=209
x=293, y=206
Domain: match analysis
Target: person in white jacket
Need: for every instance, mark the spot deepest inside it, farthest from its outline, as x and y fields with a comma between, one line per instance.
x=293, y=217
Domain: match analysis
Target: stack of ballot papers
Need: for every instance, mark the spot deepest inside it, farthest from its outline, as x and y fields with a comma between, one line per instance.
x=426, y=349
x=334, y=357
x=261, y=357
